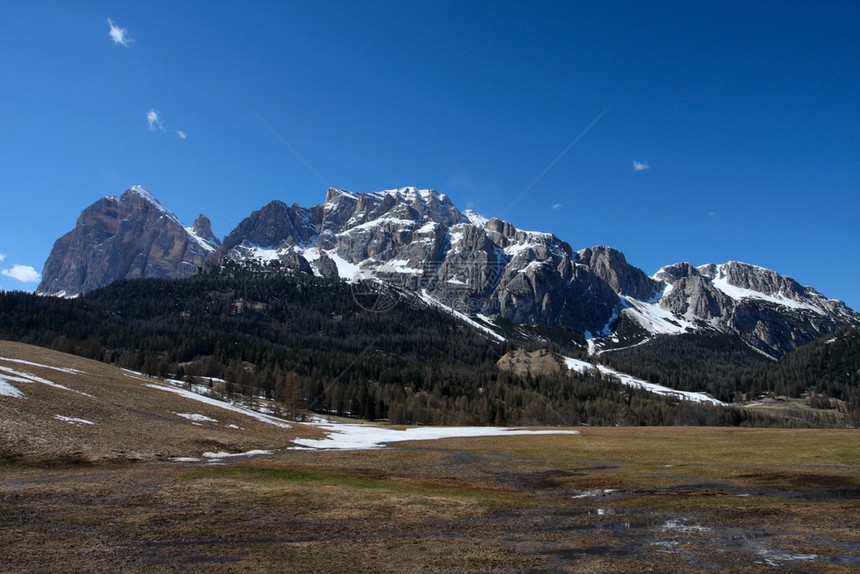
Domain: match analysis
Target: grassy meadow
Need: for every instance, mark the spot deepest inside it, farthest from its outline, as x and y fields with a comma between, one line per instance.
x=606, y=500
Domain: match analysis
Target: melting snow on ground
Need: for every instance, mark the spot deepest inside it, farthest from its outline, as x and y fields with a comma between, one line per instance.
x=73, y=420
x=8, y=374
x=7, y=390
x=360, y=437
x=596, y=492
x=221, y=404
x=221, y=455
x=584, y=367
x=61, y=369
x=196, y=417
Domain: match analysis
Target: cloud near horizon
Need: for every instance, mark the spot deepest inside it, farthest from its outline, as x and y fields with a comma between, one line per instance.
x=119, y=35
x=640, y=166
x=153, y=118
x=23, y=273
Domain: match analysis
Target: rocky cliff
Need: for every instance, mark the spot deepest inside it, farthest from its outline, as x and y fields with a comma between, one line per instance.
x=125, y=237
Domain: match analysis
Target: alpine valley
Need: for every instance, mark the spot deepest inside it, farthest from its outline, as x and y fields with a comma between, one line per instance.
x=413, y=302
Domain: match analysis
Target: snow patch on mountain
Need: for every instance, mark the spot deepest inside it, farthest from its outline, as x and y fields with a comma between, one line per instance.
x=655, y=319
x=585, y=367
x=476, y=218
x=345, y=269
x=427, y=298
x=202, y=242
x=721, y=282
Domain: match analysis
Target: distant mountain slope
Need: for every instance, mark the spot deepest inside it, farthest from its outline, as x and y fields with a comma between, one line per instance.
x=829, y=367
x=711, y=361
x=824, y=371
x=418, y=241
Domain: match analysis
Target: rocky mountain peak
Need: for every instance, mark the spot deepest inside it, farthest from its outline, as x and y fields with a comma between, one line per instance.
x=746, y=276
x=610, y=265
x=672, y=273
x=275, y=225
x=202, y=227
x=129, y=236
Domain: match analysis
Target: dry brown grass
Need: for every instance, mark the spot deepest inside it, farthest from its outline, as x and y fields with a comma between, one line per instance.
x=132, y=420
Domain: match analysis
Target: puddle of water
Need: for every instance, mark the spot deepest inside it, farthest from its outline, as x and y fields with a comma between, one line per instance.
x=832, y=494
x=617, y=520
x=680, y=525
x=605, y=551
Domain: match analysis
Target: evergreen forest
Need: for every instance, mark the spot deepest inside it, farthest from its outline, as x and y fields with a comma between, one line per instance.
x=305, y=342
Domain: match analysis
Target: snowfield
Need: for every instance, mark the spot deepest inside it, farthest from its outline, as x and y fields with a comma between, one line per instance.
x=347, y=436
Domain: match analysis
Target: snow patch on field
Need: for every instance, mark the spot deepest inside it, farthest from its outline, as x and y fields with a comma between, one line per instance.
x=221, y=455
x=73, y=420
x=10, y=374
x=196, y=417
x=61, y=369
x=223, y=405
x=595, y=493
x=349, y=436
x=7, y=390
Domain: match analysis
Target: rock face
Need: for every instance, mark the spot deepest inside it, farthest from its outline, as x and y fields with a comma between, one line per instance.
x=533, y=364
x=418, y=241
x=769, y=311
x=125, y=237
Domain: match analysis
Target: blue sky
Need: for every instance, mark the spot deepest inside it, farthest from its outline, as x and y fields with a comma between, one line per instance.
x=699, y=132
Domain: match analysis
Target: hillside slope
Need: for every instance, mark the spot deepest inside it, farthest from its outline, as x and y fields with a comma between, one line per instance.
x=59, y=407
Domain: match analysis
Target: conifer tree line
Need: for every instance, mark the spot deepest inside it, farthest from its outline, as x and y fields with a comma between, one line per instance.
x=305, y=342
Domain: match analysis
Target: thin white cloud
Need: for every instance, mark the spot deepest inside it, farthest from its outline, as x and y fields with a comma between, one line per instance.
x=153, y=118
x=556, y=206
x=119, y=35
x=181, y=134
x=2, y=257
x=640, y=166
x=712, y=213
x=23, y=273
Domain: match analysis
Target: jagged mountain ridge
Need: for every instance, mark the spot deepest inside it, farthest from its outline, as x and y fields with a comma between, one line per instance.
x=132, y=236
x=487, y=268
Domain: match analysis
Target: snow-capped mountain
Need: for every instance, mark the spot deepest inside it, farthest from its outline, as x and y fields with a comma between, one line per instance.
x=484, y=270
x=125, y=237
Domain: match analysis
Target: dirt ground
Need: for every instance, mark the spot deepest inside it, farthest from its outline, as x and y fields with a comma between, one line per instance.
x=607, y=500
